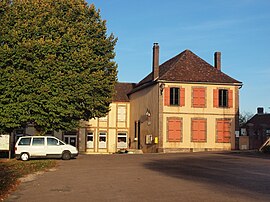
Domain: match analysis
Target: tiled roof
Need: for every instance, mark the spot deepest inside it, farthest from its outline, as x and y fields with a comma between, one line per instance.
x=121, y=91
x=260, y=119
x=188, y=67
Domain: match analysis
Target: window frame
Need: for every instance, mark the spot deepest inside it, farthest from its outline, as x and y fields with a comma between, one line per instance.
x=122, y=134
x=193, y=121
x=102, y=134
x=119, y=115
x=90, y=134
x=196, y=100
x=223, y=98
x=174, y=96
x=169, y=138
x=225, y=121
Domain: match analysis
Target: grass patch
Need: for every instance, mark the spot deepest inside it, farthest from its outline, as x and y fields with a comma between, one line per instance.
x=12, y=170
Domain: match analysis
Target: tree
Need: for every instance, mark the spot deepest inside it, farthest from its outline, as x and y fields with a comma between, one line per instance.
x=244, y=117
x=56, y=64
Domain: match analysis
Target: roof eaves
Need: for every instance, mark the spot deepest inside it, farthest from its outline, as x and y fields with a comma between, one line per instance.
x=143, y=86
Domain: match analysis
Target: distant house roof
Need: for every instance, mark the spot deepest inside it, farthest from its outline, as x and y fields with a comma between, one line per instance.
x=260, y=119
x=121, y=91
x=188, y=67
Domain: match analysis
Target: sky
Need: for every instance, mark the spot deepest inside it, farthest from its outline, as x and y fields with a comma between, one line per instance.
x=239, y=29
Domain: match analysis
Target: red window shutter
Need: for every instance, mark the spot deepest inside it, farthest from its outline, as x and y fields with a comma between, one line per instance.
x=182, y=97
x=198, y=97
x=215, y=97
x=199, y=130
x=223, y=131
x=167, y=96
x=174, y=129
x=230, y=99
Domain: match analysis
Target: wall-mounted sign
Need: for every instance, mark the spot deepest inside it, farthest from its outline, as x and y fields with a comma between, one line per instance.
x=4, y=142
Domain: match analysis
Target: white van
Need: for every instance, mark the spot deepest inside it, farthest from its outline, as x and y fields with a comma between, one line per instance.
x=43, y=147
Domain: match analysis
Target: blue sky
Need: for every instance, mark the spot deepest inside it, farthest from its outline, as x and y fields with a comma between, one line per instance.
x=239, y=29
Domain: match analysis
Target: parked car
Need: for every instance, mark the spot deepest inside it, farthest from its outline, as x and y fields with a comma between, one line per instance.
x=43, y=147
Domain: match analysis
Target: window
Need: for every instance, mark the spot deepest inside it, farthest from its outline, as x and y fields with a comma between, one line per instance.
x=174, y=96
x=122, y=140
x=223, y=98
x=174, y=129
x=198, y=130
x=52, y=141
x=121, y=113
x=198, y=96
x=102, y=140
x=25, y=141
x=223, y=127
x=90, y=140
x=39, y=141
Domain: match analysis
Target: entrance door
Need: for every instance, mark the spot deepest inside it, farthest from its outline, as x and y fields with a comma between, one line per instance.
x=139, y=135
x=71, y=139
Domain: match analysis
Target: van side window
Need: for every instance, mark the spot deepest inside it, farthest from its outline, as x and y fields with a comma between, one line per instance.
x=38, y=141
x=25, y=141
x=52, y=141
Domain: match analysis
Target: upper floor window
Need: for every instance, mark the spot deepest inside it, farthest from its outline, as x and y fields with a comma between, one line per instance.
x=121, y=113
x=174, y=96
x=223, y=98
x=198, y=97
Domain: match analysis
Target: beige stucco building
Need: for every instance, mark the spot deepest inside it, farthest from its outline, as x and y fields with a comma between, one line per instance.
x=185, y=104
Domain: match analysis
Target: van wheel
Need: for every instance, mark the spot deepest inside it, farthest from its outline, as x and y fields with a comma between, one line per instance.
x=24, y=156
x=66, y=155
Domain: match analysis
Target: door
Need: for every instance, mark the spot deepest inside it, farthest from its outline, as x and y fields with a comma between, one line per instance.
x=38, y=147
x=53, y=147
x=139, y=135
x=71, y=139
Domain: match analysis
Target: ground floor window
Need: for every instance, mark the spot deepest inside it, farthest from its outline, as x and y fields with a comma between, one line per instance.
x=198, y=130
x=102, y=143
x=174, y=129
x=223, y=131
x=121, y=140
x=90, y=140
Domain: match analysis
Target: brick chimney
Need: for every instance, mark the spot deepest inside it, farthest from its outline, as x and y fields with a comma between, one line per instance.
x=217, y=59
x=260, y=110
x=155, y=71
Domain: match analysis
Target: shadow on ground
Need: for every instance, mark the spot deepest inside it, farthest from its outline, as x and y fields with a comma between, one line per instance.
x=248, y=171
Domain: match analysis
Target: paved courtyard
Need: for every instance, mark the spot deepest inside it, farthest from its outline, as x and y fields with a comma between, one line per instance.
x=206, y=176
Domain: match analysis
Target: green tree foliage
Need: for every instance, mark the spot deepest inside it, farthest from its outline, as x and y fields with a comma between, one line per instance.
x=56, y=64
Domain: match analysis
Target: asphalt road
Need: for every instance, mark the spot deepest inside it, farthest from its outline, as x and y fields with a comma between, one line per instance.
x=152, y=177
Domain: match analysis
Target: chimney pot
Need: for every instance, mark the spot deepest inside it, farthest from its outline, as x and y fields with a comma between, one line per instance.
x=155, y=70
x=217, y=59
x=260, y=110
